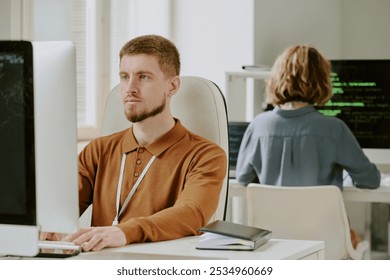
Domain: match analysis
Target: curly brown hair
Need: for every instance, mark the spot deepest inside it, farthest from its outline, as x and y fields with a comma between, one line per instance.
x=300, y=73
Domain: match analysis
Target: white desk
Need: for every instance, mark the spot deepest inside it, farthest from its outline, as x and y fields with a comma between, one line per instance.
x=380, y=195
x=184, y=248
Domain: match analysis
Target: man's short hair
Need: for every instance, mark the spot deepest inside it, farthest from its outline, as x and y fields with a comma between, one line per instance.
x=166, y=52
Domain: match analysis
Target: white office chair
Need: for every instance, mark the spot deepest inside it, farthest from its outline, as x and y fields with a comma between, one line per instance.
x=307, y=213
x=201, y=108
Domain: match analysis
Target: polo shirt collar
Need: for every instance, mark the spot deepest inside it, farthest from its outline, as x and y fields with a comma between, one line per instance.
x=129, y=143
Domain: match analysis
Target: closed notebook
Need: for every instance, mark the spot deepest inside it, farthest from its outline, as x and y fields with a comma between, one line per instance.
x=222, y=235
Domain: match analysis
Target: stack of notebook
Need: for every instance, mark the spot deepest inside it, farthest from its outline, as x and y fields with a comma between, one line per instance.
x=221, y=235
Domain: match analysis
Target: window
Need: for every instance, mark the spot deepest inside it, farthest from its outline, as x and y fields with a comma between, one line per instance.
x=98, y=30
x=83, y=24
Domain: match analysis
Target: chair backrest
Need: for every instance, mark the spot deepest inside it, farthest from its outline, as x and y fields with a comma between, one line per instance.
x=307, y=213
x=200, y=106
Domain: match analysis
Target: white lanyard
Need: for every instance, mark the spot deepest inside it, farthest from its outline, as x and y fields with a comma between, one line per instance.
x=130, y=195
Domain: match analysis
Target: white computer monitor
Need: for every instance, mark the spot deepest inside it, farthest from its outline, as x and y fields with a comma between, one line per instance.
x=39, y=152
x=18, y=226
x=56, y=136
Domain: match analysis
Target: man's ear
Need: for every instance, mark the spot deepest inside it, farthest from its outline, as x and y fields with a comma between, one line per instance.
x=174, y=85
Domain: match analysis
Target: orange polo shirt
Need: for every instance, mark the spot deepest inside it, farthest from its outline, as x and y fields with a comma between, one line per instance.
x=178, y=194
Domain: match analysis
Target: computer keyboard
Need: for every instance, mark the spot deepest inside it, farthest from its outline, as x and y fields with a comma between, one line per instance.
x=57, y=245
x=57, y=249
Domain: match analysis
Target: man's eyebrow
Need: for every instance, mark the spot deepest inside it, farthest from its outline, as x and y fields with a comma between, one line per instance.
x=138, y=72
x=144, y=72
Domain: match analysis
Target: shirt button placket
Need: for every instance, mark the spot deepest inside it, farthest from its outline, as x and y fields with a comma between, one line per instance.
x=138, y=162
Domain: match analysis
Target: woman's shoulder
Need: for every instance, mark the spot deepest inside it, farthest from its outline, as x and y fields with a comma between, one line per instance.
x=331, y=120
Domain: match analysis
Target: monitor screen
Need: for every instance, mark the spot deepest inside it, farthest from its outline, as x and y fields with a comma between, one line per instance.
x=38, y=143
x=17, y=163
x=236, y=132
x=361, y=98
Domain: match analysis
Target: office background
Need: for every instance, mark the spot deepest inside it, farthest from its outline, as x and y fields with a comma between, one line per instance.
x=213, y=36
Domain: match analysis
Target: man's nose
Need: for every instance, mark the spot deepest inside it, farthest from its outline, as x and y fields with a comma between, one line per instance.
x=131, y=85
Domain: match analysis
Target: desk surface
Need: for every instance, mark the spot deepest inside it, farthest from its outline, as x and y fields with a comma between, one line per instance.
x=184, y=248
x=381, y=194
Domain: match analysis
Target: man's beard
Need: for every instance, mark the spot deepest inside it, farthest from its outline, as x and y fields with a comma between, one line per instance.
x=134, y=117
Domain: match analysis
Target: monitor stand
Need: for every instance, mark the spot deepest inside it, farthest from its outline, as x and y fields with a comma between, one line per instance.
x=19, y=240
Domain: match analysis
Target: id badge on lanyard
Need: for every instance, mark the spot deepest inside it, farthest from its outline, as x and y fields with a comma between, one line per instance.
x=134, y=188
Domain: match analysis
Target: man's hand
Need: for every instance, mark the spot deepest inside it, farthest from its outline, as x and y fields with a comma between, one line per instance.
x=97, y=238
x=52, y=236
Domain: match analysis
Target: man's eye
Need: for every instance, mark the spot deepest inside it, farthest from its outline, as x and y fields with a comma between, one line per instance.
x=143, y=77
x=124, y=77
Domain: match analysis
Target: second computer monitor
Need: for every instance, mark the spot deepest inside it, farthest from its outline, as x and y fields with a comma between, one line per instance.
x=361, y=98
x=236, y=133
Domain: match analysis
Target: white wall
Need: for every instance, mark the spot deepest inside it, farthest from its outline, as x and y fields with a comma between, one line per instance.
x=280, y=23
x=338, y=28
x=365, y=29
x=51, y=21
x=213, y=36
x=5, y=19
